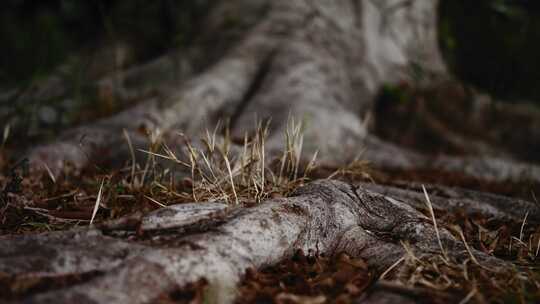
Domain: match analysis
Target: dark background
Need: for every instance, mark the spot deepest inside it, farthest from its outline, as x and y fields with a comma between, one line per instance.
x=492, y=45
x=39, y=35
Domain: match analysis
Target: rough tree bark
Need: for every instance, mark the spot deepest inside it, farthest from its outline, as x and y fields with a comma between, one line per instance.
x=321, y=62
x=173, y=250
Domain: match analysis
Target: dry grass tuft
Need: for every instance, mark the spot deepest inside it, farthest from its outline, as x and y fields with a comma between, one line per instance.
x=219, y=170
x=208, y=169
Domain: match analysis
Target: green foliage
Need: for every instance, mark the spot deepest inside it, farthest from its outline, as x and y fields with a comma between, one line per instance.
x=394, y=93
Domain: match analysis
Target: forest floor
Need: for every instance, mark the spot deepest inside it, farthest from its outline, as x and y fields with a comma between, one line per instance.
x=40, y=203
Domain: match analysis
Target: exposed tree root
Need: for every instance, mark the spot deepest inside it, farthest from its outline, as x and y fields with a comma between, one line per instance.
x=461, y=200
x=324, y=217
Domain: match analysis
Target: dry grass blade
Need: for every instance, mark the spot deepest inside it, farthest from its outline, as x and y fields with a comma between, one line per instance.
x=469, y=296
x=358, y=168
x=312, y=164
x=228, y=165
x=132, y=153
x=460, y=232
x=523, y=226
x=409, y=252
x=155, y=201
x=389, y=269
x=155, y=138
x=261, y=138
x=49, y=173
x=98, y=201
x=432, y=213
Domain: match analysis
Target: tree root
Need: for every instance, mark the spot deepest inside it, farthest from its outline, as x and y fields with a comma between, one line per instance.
x=325, y=217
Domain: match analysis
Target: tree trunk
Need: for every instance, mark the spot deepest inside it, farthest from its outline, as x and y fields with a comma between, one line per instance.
x=317, y=62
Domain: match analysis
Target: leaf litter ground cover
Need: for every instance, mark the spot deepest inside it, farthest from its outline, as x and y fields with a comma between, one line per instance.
x=34, y=203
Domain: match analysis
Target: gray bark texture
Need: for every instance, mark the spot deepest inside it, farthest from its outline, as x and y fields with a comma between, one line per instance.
x=174, y=246
x=320, y=62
